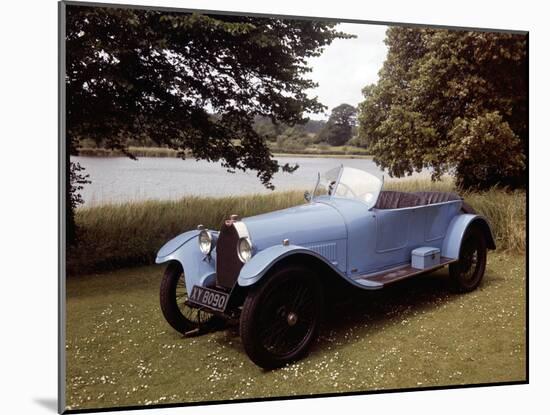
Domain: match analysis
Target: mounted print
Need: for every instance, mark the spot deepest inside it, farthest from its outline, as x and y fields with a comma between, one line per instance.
x=259, y=206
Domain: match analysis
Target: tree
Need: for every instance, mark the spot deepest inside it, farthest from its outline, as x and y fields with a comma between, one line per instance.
x=339, y=127
x=134, y=73
x=451, y=101
x=76, y=182
x=265, y=127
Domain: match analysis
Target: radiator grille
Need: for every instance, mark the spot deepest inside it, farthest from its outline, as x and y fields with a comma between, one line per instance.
x=228, y=264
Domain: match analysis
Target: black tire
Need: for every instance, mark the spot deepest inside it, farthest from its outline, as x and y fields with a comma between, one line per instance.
x=467, y=273
x=281, y=316
x=173, y=295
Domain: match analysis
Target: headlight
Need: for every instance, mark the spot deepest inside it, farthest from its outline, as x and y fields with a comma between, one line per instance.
x=244, y=249
x=205, y=242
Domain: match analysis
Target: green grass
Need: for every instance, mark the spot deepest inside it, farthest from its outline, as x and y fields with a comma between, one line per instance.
x=120, y=351
x=117, y=235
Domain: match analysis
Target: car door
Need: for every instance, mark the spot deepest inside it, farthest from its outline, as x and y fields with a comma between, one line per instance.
x=399, y=231
x=377, y=238
x=397, y=234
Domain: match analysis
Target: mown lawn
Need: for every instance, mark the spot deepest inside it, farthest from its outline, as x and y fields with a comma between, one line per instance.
x=414, y=334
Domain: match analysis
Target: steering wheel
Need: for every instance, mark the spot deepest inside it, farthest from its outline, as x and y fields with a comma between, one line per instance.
x=331, y=187
x=348, y=190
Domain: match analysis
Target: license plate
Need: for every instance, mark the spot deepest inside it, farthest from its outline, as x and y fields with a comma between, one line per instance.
x=215, y=300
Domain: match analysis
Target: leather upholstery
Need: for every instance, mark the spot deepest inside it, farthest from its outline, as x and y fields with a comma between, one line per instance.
x=429, y=198
x=389, y=199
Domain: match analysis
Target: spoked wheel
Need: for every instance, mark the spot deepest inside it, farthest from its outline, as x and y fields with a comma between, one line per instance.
x=173, y=294
x=280, y=317
x=466, y=274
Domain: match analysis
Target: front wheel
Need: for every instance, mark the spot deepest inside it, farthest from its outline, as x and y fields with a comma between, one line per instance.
x=173, y=295
x=467, y=272
x=281, y=316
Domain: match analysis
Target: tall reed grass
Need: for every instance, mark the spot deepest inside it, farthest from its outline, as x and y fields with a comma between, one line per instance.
x=117, y=235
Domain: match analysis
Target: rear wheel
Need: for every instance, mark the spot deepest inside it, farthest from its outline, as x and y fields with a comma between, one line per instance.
x=467, y=272
x=173, y=295
x=280, y=317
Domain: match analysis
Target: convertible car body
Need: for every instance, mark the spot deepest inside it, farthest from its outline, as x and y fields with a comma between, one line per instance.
x=271, y=270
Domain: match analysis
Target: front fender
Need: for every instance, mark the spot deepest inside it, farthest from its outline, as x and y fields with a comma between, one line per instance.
x=198, y=268
x=457, y=229
x=260, y=263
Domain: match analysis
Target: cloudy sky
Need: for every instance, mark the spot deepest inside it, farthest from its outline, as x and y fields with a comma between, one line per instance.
x=347, y=65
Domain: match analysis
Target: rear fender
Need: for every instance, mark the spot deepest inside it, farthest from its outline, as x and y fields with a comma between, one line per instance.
x=456, y=230
x=199, y=269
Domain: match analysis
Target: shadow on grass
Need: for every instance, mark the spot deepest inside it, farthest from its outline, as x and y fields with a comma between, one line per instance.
x=365, y=312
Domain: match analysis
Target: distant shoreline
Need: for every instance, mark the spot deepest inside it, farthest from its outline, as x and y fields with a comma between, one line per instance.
x=325, y=155
x=331, y=152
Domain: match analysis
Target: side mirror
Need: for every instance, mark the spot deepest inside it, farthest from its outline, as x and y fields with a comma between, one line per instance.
x=307, y=196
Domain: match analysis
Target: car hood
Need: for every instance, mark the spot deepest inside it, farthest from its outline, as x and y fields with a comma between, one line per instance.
x=301, y=225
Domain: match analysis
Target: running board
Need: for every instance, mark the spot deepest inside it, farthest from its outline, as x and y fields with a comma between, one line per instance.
x=381, y=279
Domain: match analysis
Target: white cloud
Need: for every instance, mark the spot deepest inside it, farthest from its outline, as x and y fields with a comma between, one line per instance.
x=347, y=65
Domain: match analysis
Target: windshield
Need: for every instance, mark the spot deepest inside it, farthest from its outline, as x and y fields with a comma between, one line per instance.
x=326, y=183
x=350, y=183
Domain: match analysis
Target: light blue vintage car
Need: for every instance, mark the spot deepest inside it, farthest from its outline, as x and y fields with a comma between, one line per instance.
x=274, y=271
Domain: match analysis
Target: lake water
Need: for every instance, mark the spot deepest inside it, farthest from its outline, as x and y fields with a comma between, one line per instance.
x=119, y=179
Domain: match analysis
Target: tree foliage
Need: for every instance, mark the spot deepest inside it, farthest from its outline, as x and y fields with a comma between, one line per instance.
x=452, y=101
x=340, y=125
x=265, y=127
x=76, y=182
x=134, y=73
